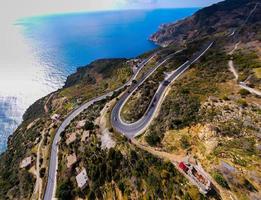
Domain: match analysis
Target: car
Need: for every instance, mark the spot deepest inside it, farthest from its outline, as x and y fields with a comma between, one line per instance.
x=166, y=83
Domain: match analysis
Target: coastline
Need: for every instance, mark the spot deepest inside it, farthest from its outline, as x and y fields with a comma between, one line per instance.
x=46, y=74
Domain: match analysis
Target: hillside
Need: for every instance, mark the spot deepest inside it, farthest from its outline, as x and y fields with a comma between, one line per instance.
x=219, y=19
x=37, y=130
x=207, y=117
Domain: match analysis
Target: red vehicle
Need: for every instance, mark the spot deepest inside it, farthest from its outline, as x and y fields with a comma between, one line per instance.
x=183, y=166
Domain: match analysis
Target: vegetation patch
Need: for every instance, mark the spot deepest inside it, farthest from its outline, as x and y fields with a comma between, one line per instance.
x=124, y=168
x=220, y=179
x=247, y=63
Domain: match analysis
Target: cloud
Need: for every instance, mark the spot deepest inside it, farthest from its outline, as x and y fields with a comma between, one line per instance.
x=167, y=3
x=20, y=8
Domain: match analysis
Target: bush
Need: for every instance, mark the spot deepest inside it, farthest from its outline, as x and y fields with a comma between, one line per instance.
x=244, y=92
x=231, y=128
x=152, y=139
x=89, y=125
x=249, y=186
x=42, y=172
x=121, y=186
x=225, y=98
x=220, y=180
x=64, y=190
x=184, y=142
x=242, y=103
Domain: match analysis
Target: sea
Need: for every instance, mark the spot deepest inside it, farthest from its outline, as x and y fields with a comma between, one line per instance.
x=38, y=53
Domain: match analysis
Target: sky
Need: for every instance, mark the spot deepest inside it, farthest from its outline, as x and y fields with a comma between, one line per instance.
x=14, y=9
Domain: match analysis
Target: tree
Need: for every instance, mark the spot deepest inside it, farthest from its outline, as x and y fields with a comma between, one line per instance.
x=244, y=92
x=89, y=125
x=184, y=142
x=64, y=190
x=42, y=172
x=220, y=180
x=153, y=139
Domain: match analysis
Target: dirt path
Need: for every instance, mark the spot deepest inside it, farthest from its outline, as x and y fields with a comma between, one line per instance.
x=38, y=183
x=234, y=49
x=102, y=122
x=249, y=89
x=231, y=63
x=232, y=69
x=45, y=105
x=235, y=73
x=161, y=154
x=175, y=159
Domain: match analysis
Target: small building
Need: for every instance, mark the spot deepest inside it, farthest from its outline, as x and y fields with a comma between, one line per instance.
x=55, y=117
x=197, y=176
x=80, y=124
x=82, y=179
x=26, y=162
x=85, y=135
x=71, y=159
x=71, y=138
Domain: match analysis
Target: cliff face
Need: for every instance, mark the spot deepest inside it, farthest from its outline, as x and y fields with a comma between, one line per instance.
x=220, y=18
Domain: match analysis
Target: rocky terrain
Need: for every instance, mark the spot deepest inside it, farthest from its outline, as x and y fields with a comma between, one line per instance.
x=206, y=116
x=222, y=18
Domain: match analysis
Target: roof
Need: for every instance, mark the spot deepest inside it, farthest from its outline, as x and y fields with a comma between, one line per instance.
x=80, y=124
x=183, y=166
x=55, y=117
x=71, y=159
x=71, y=138
x=26, y=162
x=82, y=178
x=85, y=135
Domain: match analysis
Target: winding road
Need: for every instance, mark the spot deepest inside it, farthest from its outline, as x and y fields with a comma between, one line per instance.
x=129, y=130
x=53, y=163
x=134, y=129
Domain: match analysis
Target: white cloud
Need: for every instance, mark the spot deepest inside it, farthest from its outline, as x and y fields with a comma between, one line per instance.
x=168, y=3
x=13, y=9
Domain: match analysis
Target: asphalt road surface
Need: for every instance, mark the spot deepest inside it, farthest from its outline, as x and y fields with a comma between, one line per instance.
x=53, y=163
x=131, y=130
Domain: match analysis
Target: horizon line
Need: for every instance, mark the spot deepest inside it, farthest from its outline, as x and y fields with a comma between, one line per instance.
x=100, y=11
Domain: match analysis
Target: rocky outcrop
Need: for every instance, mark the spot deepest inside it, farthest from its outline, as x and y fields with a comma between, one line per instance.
x=88, y=74
x=220, y=18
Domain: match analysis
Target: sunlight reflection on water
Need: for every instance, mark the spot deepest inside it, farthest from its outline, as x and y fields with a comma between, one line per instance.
x=37, y=54
x=23, y=79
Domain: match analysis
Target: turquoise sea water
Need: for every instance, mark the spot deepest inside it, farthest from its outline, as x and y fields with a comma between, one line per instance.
x=49, y=48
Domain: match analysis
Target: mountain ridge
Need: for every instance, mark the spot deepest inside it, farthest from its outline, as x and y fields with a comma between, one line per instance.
x=186, y=120
x=207, y=21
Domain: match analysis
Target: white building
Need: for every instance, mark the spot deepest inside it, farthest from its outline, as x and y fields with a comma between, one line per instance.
x=55, y=117
x=82, y=179
x=80, y=124
x=26, y=162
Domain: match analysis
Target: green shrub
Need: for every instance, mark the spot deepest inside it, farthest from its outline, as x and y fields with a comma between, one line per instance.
x=184, y=142
x=244, y=92
x=89, y=125
x=152, y=139
x=249, y=186
x=121, y=186
x=64, y=190
x=42, y=172
x=242, y=103
x=220, y=179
